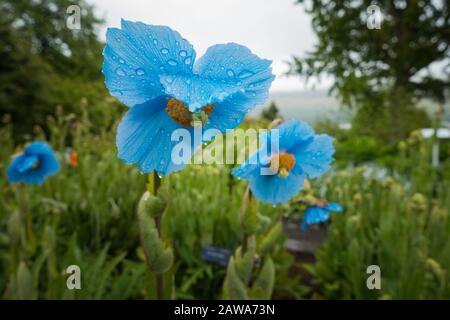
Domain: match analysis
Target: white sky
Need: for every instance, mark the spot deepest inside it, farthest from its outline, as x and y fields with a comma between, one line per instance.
x=273, y=29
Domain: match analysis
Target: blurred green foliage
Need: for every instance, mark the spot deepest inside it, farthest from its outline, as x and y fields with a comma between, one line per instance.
x=86, y=215
x=45, y=65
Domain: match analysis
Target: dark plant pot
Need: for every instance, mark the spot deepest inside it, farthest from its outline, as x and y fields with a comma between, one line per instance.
x=303, y=243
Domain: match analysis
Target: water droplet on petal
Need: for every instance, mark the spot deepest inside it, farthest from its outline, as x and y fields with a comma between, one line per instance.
x=140, y=72
x=172, y=63
x=245, y=74
x=164, y=51
x=230, y=73
x=187, y=60
x=122, y=61
x=155, y=41
x=183, y=53
x=188, y=81
x=120, y=72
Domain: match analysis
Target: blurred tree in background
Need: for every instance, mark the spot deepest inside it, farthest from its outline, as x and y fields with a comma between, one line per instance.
x=271, y=112
x=382, y=73
x=44, y=64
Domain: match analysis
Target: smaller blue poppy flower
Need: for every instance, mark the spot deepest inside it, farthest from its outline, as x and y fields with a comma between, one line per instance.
x=319, y=213
x=276, y=172
x=34, y=165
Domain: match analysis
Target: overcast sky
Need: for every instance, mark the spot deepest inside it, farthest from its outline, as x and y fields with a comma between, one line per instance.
x=273, y=29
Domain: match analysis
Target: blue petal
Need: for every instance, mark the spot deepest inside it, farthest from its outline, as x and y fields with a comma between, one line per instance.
x=144, y=137
x=336, y=207
x=247, y=79
x=314, y=215
x=314, y=157
x=22, y=166
x=275, y=189
x=195, y=91
x=228, y=114
x=137, y=54
x=236, y=63
x=293, y=133
x=27, y=163
x=248, y=168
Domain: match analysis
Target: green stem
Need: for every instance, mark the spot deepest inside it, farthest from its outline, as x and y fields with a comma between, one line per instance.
x=246, y=208
x=153, y=187
x=25, y=217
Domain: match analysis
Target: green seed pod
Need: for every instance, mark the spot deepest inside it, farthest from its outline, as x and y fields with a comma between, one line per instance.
x=234, y=288
x=265, y=281
x=418, y=203
x=158, y=255
x=271, y=239
x=24, y=282
x=244, y=264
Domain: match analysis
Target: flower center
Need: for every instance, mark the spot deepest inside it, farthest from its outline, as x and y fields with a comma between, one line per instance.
x=36, y=165
x=181, y=114
x=321, y=203
x=282, y=163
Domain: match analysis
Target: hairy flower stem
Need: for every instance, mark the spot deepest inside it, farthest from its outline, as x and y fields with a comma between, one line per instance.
x=246, y=209
x=25, y=218
x=153, y=186
x=154, y=182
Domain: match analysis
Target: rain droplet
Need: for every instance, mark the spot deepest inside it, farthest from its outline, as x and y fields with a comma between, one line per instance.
x=172, y=63
x=164, y=51
x=155, y=41
x=188, y=81
x=245, y=74
x=230, y=73
x=121, y=61
x=183, y=53
x=120, y=72
x=187, y=60
x=140, y=72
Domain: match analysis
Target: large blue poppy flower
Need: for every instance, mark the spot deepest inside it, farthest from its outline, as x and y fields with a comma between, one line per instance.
x=152, y=70
x=300, y=154
x=34, y=165
x=319, y=213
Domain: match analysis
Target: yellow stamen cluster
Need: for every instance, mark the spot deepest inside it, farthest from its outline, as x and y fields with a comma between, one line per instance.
x=36, y=165
x=178, y=111
x=321, y=203
x=282, y=163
